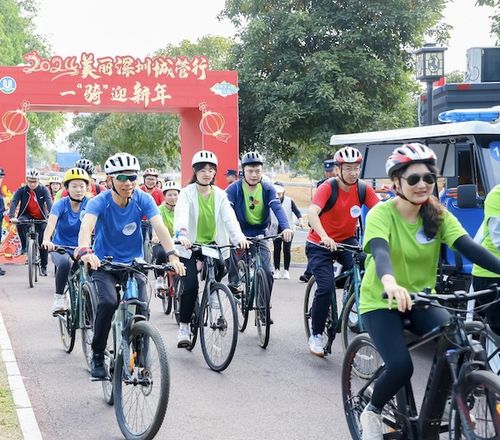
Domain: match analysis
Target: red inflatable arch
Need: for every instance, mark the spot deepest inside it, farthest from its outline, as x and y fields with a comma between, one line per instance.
x=206, y=100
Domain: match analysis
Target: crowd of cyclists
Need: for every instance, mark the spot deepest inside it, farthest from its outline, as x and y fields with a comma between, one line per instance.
x=406, y=232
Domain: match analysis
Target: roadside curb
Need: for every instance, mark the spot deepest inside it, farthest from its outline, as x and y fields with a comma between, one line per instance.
x=24, y=410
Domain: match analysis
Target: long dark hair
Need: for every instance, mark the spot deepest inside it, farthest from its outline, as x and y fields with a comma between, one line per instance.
x=431, y=211
x=197, y=167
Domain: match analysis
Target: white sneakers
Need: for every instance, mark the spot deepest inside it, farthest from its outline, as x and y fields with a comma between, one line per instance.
x=316, y=345
x=160, y=284
x=285, y=275
x=183, y=336
x=60, y=304
x=371, y=425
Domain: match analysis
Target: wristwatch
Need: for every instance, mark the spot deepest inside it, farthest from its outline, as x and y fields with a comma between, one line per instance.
x=173, y=251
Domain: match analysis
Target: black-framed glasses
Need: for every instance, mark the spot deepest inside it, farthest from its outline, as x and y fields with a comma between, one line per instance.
x=413, y=179
x=125, y=177
x=252, y=202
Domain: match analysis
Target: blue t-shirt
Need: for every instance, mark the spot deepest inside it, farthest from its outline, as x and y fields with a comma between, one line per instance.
x=68, y=222
x=118, y=230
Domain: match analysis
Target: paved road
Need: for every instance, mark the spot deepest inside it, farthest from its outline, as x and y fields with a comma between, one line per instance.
x=279, y=393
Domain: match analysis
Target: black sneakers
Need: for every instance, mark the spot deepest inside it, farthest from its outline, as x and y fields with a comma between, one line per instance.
x=43, y=271
x=305, y=277
x=97, y=370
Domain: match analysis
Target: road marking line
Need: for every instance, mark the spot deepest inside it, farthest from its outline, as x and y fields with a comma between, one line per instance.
x=25, y=414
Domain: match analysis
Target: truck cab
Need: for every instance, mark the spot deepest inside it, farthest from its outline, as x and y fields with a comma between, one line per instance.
x=468, y=160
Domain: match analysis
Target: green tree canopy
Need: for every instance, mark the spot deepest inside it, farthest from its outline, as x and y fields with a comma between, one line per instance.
x=311, y=69
x=152, y=137
x=17, y=37
x=495, y=18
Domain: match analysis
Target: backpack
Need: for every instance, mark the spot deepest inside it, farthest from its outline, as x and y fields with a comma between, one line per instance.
x=335, y=193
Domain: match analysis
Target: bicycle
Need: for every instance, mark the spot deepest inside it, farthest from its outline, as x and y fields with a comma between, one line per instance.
x=256, y=293
x=147, y=245
x=214, y=316
x=138, y=378
x=32, y=249
x=167, y=295
x=346, y=321
x=458, y=377
x=83, y=305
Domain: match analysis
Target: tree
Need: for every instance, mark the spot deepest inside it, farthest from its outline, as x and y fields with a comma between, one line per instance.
x=311, y=69
x=495, y=18
x=17, y=37
x=152, y=137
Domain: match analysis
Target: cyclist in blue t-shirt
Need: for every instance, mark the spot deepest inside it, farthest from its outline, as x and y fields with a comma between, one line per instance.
x=64, y=223
x=116, y=216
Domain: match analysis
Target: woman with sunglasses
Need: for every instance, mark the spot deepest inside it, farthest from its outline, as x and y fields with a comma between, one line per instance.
x=116, y=217
x=403, y=238
x=202, y=215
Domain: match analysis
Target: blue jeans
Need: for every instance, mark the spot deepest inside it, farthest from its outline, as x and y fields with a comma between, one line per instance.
x=321, y=265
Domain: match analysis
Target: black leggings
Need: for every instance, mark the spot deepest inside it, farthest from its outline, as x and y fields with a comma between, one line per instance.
x=63, y=263
x=385, y=327
x=491, y=313
x=191, y=285
x=287, y=247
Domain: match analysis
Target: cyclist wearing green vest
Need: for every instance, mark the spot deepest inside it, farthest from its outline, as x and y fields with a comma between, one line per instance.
x=202, y=215
x=171, y=190
x=403, y=237
x=489, y=236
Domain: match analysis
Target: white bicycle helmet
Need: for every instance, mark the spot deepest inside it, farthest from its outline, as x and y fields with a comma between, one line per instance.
x=55, y=179
x=121, y=162
x=171, y=184
x=86, y=165
x=252, y=158
x=347, y=155
x=32, y=173
x=151, y=172
x=407, y=154
x=204, y=156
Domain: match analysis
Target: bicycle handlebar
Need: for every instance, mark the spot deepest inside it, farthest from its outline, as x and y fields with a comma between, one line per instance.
x=30, y=221
x=458, y=296
x=136, y=266
x=262, y=238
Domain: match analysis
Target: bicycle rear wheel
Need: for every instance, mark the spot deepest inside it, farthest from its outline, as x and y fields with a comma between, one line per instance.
x=141, y=383
x=89, y=308
x=219, y=328
x=350, y=326
x=241, y=301
x=475, y=408
x=362, y=365
x=31, y=262
x=67, y=328
x=168, y=294
x=109, y=365
x=262, y=307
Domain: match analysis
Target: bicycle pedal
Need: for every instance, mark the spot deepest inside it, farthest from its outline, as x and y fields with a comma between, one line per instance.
x=100, y=379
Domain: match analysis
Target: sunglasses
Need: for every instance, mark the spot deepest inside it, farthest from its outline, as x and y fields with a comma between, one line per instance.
x=125, y=177
x=413, y=179
x=253, y=202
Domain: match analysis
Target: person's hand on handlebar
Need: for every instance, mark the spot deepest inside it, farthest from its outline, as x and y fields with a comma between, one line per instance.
x=179, y=268
x=47, y=244
x=287, y=234
x=329, y=243
x=244, y=244
x=395, y=291
x=185, y=242
x=14, y=220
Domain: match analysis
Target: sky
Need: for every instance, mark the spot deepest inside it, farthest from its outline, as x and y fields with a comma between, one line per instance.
x=138, y=28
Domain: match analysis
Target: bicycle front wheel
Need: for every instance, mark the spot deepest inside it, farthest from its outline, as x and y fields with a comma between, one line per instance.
x=89, y=308
x=241, y=300
x=350, y=324
x=475, y=408
x=218, y=327
x=67, y=328
x=141, y=383
x=262, y=308
x=31, y=262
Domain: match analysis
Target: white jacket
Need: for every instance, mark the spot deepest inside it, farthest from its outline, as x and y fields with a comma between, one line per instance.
x=226, y=224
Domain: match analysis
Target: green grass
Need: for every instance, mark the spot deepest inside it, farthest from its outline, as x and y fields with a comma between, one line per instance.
x=9, y=425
